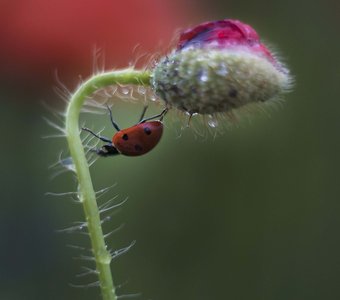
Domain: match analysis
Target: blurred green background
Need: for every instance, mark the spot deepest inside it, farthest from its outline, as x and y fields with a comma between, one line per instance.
x=252, y=214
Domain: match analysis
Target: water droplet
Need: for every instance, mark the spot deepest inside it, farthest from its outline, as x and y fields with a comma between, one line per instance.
x=153, y=82
x=68, y=163
x=222, y=70
x=204, y=75
x=141, y=90
x=212, y=121
x=125, y=90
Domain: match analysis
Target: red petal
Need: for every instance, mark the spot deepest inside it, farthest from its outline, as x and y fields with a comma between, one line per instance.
x=225, y=32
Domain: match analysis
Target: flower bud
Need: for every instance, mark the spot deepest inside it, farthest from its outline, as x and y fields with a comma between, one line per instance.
x=219, y=66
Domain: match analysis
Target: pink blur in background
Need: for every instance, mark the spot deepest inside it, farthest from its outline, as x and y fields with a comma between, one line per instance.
x=41, y=36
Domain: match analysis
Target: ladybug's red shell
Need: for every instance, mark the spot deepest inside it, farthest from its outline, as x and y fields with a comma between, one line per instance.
x=138, y=139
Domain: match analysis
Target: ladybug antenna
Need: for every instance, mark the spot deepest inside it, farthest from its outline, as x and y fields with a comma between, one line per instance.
x=114, y=124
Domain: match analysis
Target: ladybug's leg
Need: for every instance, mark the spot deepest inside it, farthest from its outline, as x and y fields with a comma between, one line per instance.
x=143, y=113
x=114, y=124
x=160, y=116
x=102, y=138
x=163, y=113
x=189, y=120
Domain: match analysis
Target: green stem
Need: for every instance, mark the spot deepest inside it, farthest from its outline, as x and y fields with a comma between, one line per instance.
x=87, y=194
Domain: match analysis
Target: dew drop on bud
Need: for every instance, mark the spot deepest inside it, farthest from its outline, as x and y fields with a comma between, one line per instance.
x=204, y=75
x=222, y=70
x=212, y=121
x=153, y=97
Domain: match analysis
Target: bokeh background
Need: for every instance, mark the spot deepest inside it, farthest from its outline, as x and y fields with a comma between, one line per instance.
x=252, y=214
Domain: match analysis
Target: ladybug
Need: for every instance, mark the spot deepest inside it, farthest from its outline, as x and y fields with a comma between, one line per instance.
x=135, y=140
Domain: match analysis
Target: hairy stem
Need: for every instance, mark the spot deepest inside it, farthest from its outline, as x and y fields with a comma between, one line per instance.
x=87, y=194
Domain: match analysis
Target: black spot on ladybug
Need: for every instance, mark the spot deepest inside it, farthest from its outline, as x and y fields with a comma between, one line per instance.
x=125, y=137
x=147, y=130
x=233, y=93
x=138, y=148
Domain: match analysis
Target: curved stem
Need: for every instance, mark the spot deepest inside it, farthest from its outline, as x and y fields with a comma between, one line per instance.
x=87, y=194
